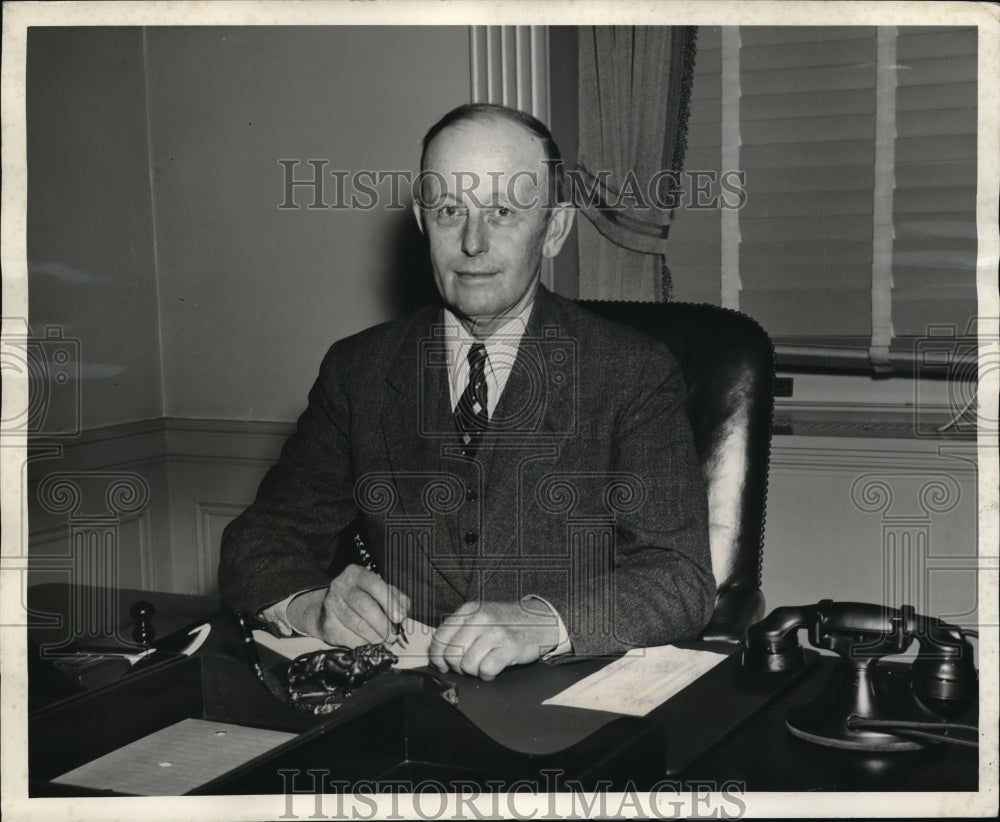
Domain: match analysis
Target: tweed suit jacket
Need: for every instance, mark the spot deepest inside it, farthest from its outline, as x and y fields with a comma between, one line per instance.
x=585, y=491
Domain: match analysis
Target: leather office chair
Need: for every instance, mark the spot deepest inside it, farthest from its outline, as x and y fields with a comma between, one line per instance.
x=728, y=364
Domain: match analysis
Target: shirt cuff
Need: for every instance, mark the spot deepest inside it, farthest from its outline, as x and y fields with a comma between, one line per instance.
x=564, y=646
x=275, y=617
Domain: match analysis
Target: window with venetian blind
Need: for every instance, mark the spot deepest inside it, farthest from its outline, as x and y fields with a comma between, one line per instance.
x=858, y=146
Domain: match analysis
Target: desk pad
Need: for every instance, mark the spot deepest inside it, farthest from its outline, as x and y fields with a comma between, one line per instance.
x=176, y=759
x=509, y=708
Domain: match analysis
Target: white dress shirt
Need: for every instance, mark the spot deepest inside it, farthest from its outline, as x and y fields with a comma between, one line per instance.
x=501, y=351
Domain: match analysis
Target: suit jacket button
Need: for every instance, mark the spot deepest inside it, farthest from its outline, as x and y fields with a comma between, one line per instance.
x=471, y=537
x=471, y=495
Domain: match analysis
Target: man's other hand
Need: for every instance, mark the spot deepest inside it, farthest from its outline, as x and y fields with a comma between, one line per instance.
x=357, y=608
x=482, y=638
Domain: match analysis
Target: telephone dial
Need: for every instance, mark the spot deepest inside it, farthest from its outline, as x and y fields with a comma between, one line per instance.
x=866, y=705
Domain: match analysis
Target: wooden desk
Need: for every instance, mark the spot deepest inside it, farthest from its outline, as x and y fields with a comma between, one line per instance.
x=764, y=756
x=60, y=613
x=726, y=728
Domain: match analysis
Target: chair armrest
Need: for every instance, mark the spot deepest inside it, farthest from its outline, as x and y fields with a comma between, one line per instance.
x=736, y=609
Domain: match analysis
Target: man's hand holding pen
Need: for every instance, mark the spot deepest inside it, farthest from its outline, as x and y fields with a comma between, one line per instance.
x=358, y=608
x=479, y=639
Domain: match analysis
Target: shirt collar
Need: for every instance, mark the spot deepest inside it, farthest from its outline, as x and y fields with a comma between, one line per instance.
x=501, y=351
x=508, y=334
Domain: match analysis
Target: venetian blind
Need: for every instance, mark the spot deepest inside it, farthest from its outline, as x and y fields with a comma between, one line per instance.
x=807, y=122
x=934, y=209
x=807, y=145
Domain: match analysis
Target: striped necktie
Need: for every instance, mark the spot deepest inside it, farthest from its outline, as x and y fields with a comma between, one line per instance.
x=472, y=411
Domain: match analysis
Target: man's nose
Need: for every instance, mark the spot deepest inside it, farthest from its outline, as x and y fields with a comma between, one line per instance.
x=474, y=239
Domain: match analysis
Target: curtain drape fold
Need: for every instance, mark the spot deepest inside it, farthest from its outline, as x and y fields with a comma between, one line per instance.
x=635, y=84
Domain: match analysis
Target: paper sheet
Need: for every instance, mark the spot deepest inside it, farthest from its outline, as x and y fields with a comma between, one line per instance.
x=414, y=655
x=639, y=681
x=176, y=759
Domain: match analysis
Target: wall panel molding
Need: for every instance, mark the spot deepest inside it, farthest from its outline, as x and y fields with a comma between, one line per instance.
x=258, y=443
x=230, y=440
x=202, y=473
x=212, y=517
x=148, y=441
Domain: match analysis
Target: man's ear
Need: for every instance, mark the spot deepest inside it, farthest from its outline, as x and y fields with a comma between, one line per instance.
x=560, y=223
x=418, y=214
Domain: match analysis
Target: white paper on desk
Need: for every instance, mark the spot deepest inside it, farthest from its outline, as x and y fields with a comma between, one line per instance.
x=175, y=759
x=639, y=681
x=414, y=654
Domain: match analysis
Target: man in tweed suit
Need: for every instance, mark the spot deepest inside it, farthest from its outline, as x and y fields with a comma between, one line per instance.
x=523, y=471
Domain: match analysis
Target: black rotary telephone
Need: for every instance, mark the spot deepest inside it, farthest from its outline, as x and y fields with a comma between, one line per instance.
x=868, y=706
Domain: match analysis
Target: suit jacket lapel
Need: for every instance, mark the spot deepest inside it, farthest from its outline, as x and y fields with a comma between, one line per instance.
x=535, y=413
x=416, y=424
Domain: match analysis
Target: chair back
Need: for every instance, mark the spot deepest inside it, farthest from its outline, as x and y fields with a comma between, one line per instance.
x=727, y=361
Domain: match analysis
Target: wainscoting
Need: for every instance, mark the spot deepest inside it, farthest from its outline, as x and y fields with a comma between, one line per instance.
x=197, y=476
x=881, y=519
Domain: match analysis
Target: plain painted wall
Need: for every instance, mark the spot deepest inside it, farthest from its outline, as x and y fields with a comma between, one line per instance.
x=253, y=295
x=90, y=226
x=194, y=295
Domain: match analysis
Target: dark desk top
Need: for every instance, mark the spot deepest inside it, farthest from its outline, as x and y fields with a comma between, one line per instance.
x=764, y=756
x=725, y=728
x=59, y=613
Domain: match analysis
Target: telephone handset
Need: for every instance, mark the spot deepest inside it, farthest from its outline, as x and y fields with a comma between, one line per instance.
x=867, y=706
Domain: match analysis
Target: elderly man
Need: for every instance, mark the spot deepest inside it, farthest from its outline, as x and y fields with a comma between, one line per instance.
x=522, y=471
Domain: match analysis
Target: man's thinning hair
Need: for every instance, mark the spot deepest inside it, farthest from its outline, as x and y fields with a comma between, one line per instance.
x=471, y=112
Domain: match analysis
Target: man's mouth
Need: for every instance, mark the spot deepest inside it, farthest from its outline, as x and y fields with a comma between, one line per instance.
x=473, y=275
